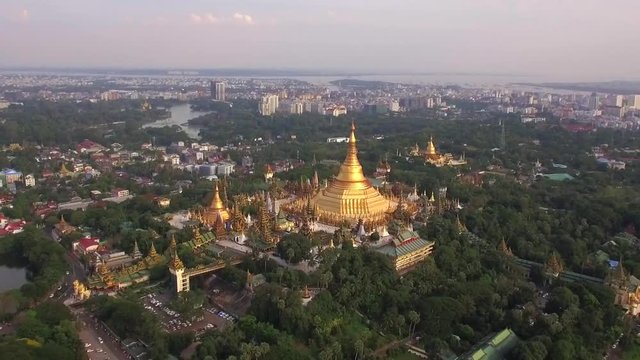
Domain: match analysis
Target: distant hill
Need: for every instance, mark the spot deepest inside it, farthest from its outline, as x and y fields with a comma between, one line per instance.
x=616, y=87
x=360, y=83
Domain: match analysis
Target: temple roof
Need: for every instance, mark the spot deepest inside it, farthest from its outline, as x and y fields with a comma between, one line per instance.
x=404, y=243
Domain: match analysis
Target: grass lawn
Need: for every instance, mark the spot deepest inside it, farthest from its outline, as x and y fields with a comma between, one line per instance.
x=405, y=355
x=632, y=354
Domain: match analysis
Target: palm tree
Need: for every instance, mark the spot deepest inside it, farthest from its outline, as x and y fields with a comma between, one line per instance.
x=400, y=321
x=290, y=254
x=342, y=274
x=359, y=347
x=414, y=319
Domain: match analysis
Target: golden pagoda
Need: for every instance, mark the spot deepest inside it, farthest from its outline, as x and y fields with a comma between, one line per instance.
x=554, y=265
x=216, y=209
x=63, y=228
x=504, y=248
x=64, y=172
x=431, y=153
x=175, y=263
x=432, y=156
x=350, y=196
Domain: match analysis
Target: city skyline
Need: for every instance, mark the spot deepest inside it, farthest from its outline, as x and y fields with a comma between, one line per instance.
x=566, y=40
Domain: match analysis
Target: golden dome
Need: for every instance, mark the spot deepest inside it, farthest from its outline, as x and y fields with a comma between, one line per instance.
x=431, y=148
x=350, y=196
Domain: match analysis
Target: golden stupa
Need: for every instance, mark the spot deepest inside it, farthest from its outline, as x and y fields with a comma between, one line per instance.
x=350, y=196
x=215, y=209
x=431, y=153
x=431, y=156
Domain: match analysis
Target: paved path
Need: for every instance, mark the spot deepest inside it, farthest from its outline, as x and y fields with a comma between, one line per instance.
x=89, y=333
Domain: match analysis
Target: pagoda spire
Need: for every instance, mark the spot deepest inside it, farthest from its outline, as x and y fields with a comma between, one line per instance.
x=152, y=251
x=216, y=202
x=175, y=263
x=136, y=251
x=219, y=227
x=351, y=169
x=315, y=183
x=505, y=248
x=554, y=265
x=431, y=148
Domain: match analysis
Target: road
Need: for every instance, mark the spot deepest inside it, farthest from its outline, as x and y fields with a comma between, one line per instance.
x=90, y=332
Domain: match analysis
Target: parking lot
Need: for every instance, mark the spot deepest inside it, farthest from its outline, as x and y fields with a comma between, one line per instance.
x=211, y=318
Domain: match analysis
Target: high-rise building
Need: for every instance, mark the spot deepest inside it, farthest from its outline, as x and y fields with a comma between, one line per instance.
x=218, y=90
x=594, y=101
x=616, y=100
x=268, y=105
x=633, y=101
x=297, y=108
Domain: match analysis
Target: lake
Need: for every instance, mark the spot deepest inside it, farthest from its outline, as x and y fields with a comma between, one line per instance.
x=12, y=277
x=180, y=114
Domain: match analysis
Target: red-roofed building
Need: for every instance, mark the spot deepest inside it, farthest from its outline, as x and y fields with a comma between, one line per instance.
x=86, y=245
x=16, y=226
x=45, y=209
x=6, y=199
x=88, y=147
x=9, y=226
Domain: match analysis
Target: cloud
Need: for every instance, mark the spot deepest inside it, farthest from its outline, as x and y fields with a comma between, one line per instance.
x=206, y=18
x=243, y=18
x=24, y=15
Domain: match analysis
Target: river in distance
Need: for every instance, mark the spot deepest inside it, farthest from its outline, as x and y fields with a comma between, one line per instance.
x=180, y=115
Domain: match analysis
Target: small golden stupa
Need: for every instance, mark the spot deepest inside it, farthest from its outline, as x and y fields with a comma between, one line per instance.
x=350, y=196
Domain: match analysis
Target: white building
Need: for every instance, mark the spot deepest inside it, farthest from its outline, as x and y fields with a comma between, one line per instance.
x=269, y=105
x=224, y=168
x=633, y=101
x=296, y=108
x=29, y=181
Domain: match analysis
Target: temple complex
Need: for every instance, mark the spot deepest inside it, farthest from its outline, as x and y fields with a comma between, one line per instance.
x=106, y=279
x=349, y=197
x=433, y=157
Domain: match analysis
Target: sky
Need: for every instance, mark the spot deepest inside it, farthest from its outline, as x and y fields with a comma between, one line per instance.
x=566, y=39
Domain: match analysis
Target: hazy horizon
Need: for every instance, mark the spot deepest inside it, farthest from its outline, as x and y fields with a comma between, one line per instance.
x=580, y=40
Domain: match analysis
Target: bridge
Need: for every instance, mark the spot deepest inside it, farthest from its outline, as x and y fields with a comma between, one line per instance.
x=181, y=277
x=567, y=276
